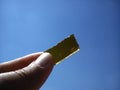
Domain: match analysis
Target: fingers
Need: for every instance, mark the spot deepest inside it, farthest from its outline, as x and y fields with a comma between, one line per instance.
x=29, y=78
x=18, y=63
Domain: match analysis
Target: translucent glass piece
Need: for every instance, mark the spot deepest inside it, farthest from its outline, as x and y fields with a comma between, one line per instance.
x=64, y=49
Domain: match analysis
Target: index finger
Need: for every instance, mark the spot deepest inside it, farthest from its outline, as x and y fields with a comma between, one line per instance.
x=19, y=63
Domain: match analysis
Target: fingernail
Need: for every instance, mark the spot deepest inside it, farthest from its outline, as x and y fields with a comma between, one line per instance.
x=44, y=60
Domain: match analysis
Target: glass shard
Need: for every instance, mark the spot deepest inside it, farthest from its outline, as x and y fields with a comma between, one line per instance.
x=64, y=49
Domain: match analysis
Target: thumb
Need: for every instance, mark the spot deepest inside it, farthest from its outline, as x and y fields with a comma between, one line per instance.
x=28, y=78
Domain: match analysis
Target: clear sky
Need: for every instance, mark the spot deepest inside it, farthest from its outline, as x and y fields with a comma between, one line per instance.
x=28, y=26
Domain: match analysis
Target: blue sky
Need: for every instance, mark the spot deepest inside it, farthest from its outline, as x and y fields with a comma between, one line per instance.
x=28, y=26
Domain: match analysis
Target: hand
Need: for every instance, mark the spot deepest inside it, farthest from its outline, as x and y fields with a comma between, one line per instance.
x=26, y=73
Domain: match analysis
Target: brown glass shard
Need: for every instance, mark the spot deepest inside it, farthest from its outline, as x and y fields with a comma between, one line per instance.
x=64, y=49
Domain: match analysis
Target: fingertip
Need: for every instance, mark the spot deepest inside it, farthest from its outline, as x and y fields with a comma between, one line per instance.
x=44, y=60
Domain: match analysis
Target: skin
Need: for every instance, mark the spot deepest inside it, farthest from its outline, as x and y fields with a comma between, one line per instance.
x=26, y=73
